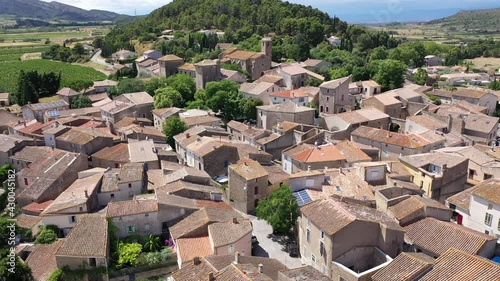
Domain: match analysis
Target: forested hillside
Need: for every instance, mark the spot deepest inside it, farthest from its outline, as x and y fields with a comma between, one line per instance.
x=239, y=19
x=475, y=20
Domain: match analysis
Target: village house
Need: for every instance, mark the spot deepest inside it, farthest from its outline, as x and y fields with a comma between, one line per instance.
x=169, y=65
x=191, y=190
x=142, y=102
x=478, y=207
x=191, y=135
x=4, y=99
x=439, y=175
x=225, y=267
x=432, y=60
x=314, y=64
x=394, y=145
x=84, y=142
x=302, y=273
x=7, y=118
x=233, y=75
x=386, y=103
x=269, y=115
x=260, y=90
x=247, y=185
x=87, y=244
x=104, y=86
x=188, y=174
x=207, y=71
x=334, y=96
x=160, y=115
x=480, y=129
x=187, y=69
x=200, y=234
x=333, y=235
x=366, y=89
x=341, y=125
x=334, y=40
x=144, y=152
x=459, y=79
x=110, y=157
x=121, y=184
x=478, y=97
x=408, y=266
x=422, y=236
x=78, y=199
x=10, y=144
x=122, y=55
x=44, y=173
x=67, y=94
x=293, y=76
x=134, y=217
x=253, y=62
x=298, y=97
x=39, y=110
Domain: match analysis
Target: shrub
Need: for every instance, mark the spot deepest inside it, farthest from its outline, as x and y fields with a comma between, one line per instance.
x=46, y=236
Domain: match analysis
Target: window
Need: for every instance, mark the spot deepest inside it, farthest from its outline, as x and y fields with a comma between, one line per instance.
x=487, y=219
x=308, y=236
x=130, y=229
x=147, y=227
x=327, y=109
x=25, y=180
x=226, y=163
x=199, y=166
x=256, y=190
x=81, y=209
x=322, y=234
x=130, y=194
x=129, y=185
x=112, y=195
x=486, y=176
x=342, y=97
x=490, y=206
x=164, y=227
x=313, y=259
x=256, y=202
x=146, y=214
x=321, y=108
x=72, y=219
x=230, y=249
x=305, y=253
x=308, y=222
x=327, y=99
x=498, y=227
x=92, y=262
x=321, y=248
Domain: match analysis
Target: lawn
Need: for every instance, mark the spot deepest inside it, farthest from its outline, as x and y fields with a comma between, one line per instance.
x=9, y=72
x=49, y=99
x=42, y=35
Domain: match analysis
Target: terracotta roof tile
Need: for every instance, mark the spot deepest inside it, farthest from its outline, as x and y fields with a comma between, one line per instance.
x=249, y=169
x=290, y=94
x=324, y=153
x=456, y=265
x=37, y=208
x=131, y=207
x=42, y=260
x=438, y=236
x=225, y=233
x=271, y=266
x=489, y=190
x=189, y=248
x=191, y=271
x=383, y=136
x=88, y=238
x=27, y=221
x=351, y=152
x=286, y=107
x=405, y=267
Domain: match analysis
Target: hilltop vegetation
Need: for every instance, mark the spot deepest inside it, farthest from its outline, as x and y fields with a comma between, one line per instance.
x=475, y=20
x=239, y=19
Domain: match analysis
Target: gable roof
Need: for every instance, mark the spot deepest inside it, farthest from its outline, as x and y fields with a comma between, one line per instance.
x=383, y=136
x=249, y=169
x=457, y=265
x=436, y=158
x=138, y=98
x=117, y=153
x=142, y=151
x=488, y=190
x=191, y=247
x=67, y=92
x=88, y=238
x=131, y=207
x=304, y=273
x=322, y=153
x=333, y=84
x=166, y=112
x=351, y=152
x=225, y=233
x=426, y=232
x=291, y=94
x=481, y=123
x=270, y=266
x=332, y=215
x=201, y=219
x=286, y=107
x=42, y=260
x=414, y=205
x=405, y=267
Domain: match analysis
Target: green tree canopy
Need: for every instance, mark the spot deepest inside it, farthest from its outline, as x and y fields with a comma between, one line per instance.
x=154, y=84
x=421, y=76
x=22, y=271
x=46, y=236
x=130, y=85
x=167, y=97
x=249, y=107
x=173, y=126
x=280, y=209
x=128, y=253
x=184, y=84
x=81, y=102
x=390, y=74
x=79, y=85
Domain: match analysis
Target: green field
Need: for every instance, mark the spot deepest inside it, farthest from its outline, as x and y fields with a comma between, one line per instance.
x=23, y=50
x=42, y=35
x=9, y=72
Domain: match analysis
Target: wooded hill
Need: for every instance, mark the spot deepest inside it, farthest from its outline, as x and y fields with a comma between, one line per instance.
x=474, y=20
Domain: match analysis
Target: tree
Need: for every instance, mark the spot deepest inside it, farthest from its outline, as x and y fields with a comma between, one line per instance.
x=22, y=271
x=379, y=53
x=167, y=97
x=6, y=227
x=313, y=82
x=128, y=253
x=153, y=243
x=130, y=85
x=227, y=104
x=46, y=236
x=154, y=84
x=280, y=209
x=495, y=85
x=79, y=49
x=390, y=74
x=184, y=84
x=338, y=73
x=79, y=85
x=421, y=77
x=172, y=127
x=81, y=102
x=249, y=107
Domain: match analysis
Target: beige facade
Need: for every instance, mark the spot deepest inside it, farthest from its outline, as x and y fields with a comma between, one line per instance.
x=334, y=96
x=244, y=193
x=207, y=71
x=268, y=116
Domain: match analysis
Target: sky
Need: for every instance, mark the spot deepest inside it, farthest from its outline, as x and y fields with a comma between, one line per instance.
x=353, y=11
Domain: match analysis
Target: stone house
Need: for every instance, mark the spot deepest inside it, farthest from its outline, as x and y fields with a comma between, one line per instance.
x=111, y=157
x=334, y=235
x=169, y=65
x=38, y=111
x=365, y=89
x=248, y=184
x=122, y=55
x=4, y=99
x=104, y=86
x=67, y=94
x=160, y=115
x=298, y=97
x=260, y=90
x=293, y=76
x=10, y=144
x=76, y=140
x=341, y=125
x=269, y=115
x=439, y=175
x=334, y=96
x=142, y=103
x=122, y=184
x=386, y=103
x=253, y=62
x=207, y=71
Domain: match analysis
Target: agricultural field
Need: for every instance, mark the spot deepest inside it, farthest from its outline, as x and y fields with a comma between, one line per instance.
x=15, y=53
x=55, y=37
x=9, y=72
x=486, y=62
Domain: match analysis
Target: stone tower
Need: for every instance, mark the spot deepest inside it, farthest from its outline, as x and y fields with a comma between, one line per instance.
x=207, y=71
x=266, y=45
x=169, y=65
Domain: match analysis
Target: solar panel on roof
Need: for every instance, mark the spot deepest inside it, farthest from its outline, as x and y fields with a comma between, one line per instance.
x=302, y=197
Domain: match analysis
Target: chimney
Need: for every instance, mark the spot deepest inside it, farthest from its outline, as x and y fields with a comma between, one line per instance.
x=325, y=170
x=86, y=194
x=236, y=258
x=261, y=270
x=308, y=168
x=340, y=170
x=445, y=166
x=196, y=260
x=235, y=220
x=211, y=276
x=188, y=136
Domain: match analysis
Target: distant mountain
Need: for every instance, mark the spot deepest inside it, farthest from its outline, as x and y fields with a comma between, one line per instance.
x=487, y=19
x=53, y=11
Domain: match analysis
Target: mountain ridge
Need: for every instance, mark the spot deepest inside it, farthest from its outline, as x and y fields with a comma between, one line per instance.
x=53, y=11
